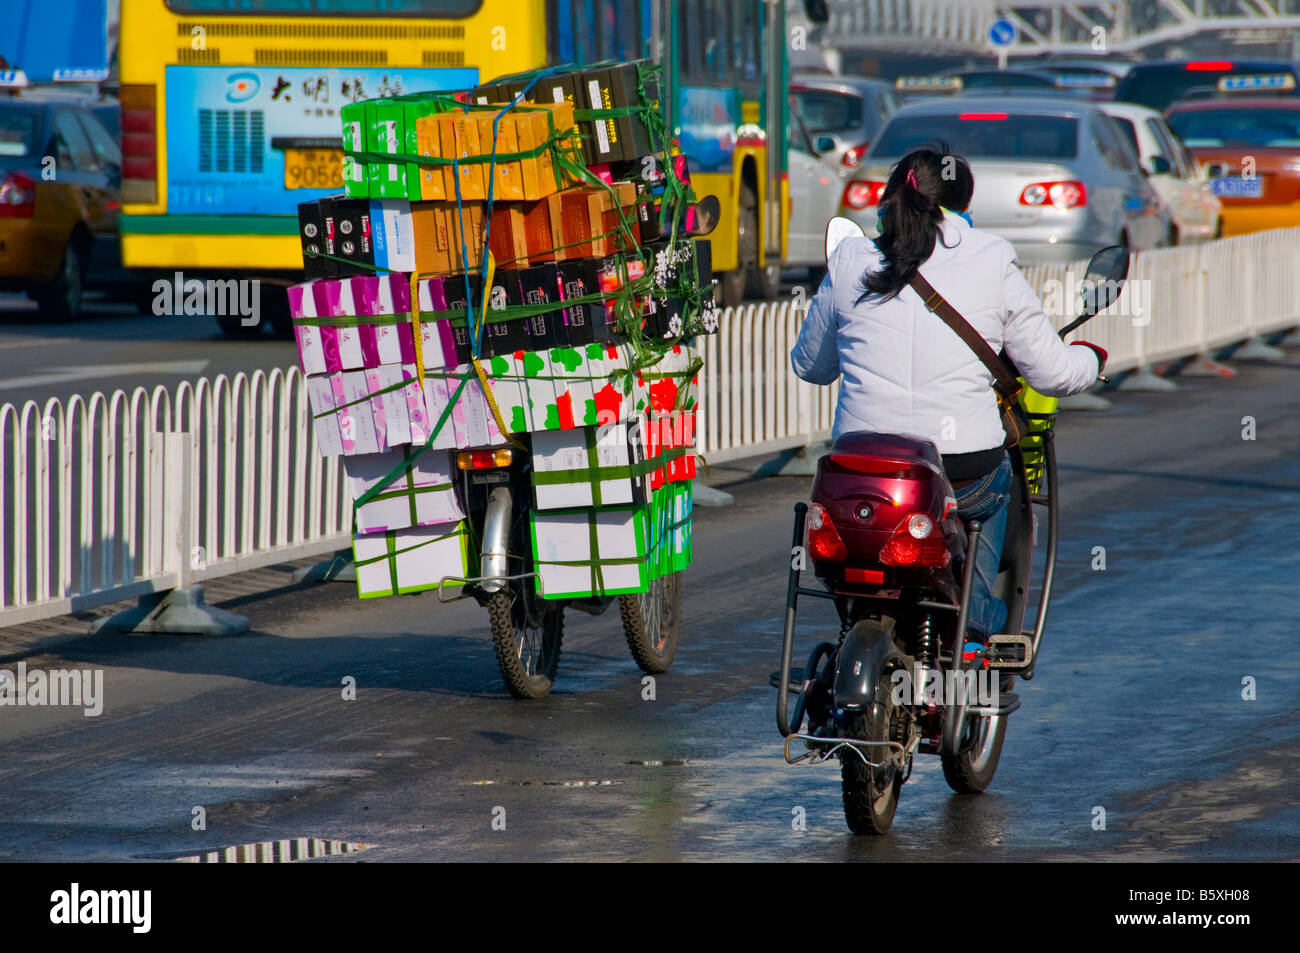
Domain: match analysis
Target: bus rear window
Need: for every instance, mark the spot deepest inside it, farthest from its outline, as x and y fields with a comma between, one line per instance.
x=1001, y=136
x=374, y=8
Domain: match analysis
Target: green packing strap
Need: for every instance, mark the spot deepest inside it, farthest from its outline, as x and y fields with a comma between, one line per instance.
x=596, y=475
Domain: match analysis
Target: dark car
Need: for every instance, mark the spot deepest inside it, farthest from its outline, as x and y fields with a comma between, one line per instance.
x=60, y=175
x=843, y=114
x=1017, y=82
x=1158, y=85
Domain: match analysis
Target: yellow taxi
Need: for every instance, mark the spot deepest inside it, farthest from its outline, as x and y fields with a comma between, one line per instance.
x=60, y=171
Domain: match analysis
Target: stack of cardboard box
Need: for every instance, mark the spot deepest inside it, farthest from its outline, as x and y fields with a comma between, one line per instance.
x=571, y=208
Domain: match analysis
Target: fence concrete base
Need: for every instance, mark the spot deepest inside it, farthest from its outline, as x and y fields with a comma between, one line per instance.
x=339, y=568
x=178, y=612
x=1256, y=350
x=1084, y=401
x=1205, y=366
x=710, y=496
x=1146, y=380
x=804, y=462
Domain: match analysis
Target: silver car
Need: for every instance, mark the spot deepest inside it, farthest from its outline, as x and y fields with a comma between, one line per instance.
x=1055, y=177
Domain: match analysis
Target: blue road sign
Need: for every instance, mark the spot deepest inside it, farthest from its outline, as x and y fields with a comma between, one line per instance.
x=1002, y=33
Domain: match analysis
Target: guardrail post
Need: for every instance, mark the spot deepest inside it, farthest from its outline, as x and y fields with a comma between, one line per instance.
x=180, y=611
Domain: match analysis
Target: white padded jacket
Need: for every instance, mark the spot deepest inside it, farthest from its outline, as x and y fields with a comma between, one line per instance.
x=907, y=372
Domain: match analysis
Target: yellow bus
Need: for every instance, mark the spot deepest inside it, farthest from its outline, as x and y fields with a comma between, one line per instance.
x=230, y=109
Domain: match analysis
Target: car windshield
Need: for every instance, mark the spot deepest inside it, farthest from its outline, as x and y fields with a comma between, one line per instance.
x=17, y=134
x=1211, y=128
x=1158, y=87
x=983, y=135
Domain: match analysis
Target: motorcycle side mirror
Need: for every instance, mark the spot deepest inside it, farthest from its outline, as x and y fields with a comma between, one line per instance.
x=1103, y=280
x=838, y=229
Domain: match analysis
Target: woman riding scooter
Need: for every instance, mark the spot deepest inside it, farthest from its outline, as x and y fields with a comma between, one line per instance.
x=906, y=372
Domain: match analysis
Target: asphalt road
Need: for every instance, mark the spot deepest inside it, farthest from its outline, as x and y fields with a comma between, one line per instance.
x=1137, y=707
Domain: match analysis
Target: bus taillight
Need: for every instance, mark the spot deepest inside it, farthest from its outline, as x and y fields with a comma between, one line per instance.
x=139, y=142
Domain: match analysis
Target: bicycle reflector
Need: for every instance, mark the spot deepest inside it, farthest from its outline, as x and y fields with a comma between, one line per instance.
x=483, y=459
x=915, y=544
x=823, y=539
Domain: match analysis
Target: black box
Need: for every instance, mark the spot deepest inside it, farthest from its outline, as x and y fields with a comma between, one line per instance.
x=311, y=232
x=541, y=285
x=504, y=337
x=564, y=88
x=454, y=288
x=623, y=137
x=347, y=224
x=578, y=279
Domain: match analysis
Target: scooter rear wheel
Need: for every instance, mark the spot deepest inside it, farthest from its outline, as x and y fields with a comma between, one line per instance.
x=871, y=793
x=526, y=636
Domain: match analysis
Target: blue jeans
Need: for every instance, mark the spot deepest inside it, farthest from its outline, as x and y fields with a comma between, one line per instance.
x=986, y=500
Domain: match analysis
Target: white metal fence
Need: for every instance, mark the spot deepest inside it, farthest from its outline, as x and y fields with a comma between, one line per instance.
x=115, y=496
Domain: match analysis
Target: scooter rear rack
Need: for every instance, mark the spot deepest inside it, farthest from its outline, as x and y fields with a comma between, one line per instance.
x=822, y=753
x=476, y=580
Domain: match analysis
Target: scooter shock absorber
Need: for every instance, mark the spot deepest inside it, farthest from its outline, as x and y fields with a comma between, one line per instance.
x=925, y=646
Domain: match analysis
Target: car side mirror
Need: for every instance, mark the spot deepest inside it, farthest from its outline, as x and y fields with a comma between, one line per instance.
x=824, y=144
x=1159, y=165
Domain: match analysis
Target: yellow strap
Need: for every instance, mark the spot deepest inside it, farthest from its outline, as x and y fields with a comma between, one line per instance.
x=415, y=328
x=478, y=366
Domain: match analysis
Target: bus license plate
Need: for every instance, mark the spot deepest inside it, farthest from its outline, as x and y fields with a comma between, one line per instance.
x=313, y=168
x=1237, y=187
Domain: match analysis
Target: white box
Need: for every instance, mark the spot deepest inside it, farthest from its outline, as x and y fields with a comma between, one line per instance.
x=416, y=559
x=394, y=235
x=566, y=451
x=396, y=414
x=563, y=557
x=425, y=492
x=356, y=421
x=325, y=423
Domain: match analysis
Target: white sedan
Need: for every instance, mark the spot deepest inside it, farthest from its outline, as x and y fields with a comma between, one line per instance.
x=1181, y=184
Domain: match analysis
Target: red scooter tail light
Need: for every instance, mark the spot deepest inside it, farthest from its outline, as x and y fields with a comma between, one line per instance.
x=916, y=544
x=824, y=541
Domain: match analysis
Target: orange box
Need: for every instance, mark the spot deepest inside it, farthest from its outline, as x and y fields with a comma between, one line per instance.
x=433, y=181
x=438, y=236
x=532, y=129
x=458, y=135
x=473, y=234
x=615, y=239
x=542, y=232
x=507, y=237
x=581, y=214
x=507, y=180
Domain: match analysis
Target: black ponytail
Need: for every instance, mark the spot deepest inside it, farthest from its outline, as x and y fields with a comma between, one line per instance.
x=910, y=213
